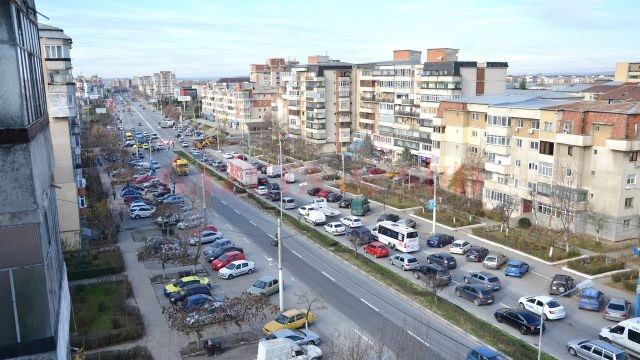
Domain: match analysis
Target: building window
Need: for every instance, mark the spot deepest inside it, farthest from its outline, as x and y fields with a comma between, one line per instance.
x=535, y=125
x=545, y=169
x=534, y=145
x=548, y=126
x=626, y=224
x=520, y=123
x=474, y=133
x=546, y=148
x=473, y=149
x=475, y=116
x=628, y=203
x=570, y=150
x=631, y=179
x=518, y=163
x=516, y=183
x=533, y=166
x=531, y=186
x=633, y=156
x=519, y=143
x=567, y=172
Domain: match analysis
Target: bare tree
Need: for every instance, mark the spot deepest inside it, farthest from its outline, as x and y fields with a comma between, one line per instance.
x=563, y=201
x=506, y=207
x=164, y=250
x=309, y=301
x=597, y=218
x=430, y=283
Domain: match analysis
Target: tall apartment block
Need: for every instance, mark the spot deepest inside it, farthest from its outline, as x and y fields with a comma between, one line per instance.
x=317, y=97
x=65, y=132
x=164, y=83
x=269, y=75
x=33, y=285
x=627, y=72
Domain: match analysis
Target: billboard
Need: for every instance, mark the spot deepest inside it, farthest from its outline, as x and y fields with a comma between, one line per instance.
x=153, y=100
x=184, y=98
x=101, y=110
x=94, y=97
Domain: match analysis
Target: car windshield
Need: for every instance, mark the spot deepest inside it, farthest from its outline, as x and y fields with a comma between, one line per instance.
x=553, y=304
x=230, y=266
x=490, y=259
x=588, y=297
x=412, y=260
x=618, y=307
x=492, y=279
x=282, y=319
x=270, y=336
x=223, y=257
x=485, y=292
x=177, y=283
x=260, y=284
x=513, y=266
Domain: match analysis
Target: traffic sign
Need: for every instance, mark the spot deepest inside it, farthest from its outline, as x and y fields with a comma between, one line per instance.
x=431, y=204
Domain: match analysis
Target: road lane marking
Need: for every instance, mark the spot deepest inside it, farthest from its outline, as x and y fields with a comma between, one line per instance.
x=252, y=223
x=273, y=237
x=417, y=338
x=362, y=336
x=544, y=276
x=327, y=275
x=236, y=211
x=371, y=306
x=503, y=305
x=296, y=254
x=222, y=201
x=247, y=241
x=266, y=257
x=455, y=282
x=292, y=279
x=229, y=226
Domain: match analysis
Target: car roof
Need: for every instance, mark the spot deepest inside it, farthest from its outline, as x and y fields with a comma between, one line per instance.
x=477, y=286
x=460, y=241
x=377, y=243
x=267, y=278
x=515, y=262
x=293, y=312
x=590, y=292
x=543, y=298
x=485, y=273
x=617, y=301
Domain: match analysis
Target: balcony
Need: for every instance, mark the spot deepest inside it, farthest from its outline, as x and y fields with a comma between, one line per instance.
x=60, y=79
x=63, y=112
x=426, y=122
x=368, y=98
x=576, y=140
x=367, y=110
x=620, y=144
x=492, y=148
x=407, y=113
x=344, y=119
x=366, y=121
x=313, y=107
x=499, y=130
x=496, y=168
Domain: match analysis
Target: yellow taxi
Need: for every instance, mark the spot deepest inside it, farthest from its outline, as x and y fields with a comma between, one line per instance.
x=145, y=146
x=290, y=319
x=176, y=285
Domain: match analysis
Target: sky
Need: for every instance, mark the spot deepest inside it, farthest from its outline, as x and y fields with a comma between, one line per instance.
x=212, y=38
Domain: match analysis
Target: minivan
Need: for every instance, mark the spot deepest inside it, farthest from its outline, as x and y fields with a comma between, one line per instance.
x=288, y=203
x=316, y=217
x=626, y=335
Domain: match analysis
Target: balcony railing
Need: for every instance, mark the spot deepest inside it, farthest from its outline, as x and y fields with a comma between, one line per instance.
x=425, y=122
x=60, y=79
x=368, y=98
x=407, y=113
x=311, y=107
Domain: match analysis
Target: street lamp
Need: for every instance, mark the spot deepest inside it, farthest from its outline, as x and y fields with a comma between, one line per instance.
x=435, y=186
x=280, y=280
x=582, y=285
x=636, y=309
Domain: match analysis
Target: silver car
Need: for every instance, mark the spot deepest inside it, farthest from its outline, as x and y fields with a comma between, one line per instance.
x=482, y=277
x=300, y=337
x=617, y=309
x=266, y=285
x=595, y=350
x=495, y=260
x=404, y=261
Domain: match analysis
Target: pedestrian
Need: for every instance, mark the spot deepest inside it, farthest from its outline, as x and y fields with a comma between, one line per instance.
x=121, y=214
x=114, y=194
x=118, y=227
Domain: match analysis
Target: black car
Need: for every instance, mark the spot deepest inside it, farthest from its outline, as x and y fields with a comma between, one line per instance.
x=134, y=187
x=180, y=296
x=222, y=167
x=273, y=195
x=445, y=260
x=525, y=321
x=437, y=273
x=334, y=197
x=345, y=203
x=477, y=293
x=262, y=181
x=560, y=284
x=388, y=217
x=161, y=193
x=273, y=187
x=314, y=191
x=360, y=236
x=221, y=251
x=477, y=254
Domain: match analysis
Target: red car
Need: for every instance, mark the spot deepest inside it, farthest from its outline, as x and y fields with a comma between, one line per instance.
x=241, y=157
x=377, y=249
x=323, y=193
x=131, y=198
x=225, y=259
x=409, y=179
x=144, y=179
x=205, y=228
x=375, y=171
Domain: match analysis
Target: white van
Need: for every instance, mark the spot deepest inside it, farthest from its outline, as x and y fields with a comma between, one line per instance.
x=288, y=203
x=626, y=335
x=316, y=217
x=318, y=203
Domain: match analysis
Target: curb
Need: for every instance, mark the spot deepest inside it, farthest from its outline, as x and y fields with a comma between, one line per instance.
x=597, y=276
x=376, y=202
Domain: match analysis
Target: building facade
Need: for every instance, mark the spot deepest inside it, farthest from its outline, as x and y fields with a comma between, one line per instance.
x=65, y=132
x=33, y=284
x=627, y=72
x=164, y=83
x=269, y=75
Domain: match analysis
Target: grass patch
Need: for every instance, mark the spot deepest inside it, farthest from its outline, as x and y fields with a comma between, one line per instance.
x=594, y=265
x=588, y=242
x=102, y=316
x=492, y=335
x=393, y=199
x=531, y=241
x=84, y=264
x=625, y=280
x=449, y=219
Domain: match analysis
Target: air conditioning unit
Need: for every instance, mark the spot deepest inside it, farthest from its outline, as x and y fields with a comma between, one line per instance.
x=530, y=131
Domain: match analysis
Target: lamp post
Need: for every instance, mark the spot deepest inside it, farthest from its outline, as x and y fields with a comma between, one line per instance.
x=636, y=309
x=582, y=285
x=280, y=280
x=435, y=186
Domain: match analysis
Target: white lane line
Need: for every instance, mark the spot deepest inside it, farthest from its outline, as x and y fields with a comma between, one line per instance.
x=455, y=282
x=330, y=278
x=273, y=237
x=417, y=338
x=222, y=201
x=292, y=279
x=503, y=305
x=214, y=214
x=371, y=306
x=362, y=336
x=252, y=223
x=544, y=276
x=236, y=211
x=266, y=257
x=229, y=226
x=247, y=241
x=296, y=254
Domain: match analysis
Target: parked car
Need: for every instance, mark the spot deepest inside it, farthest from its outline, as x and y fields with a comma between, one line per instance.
x=266, y=285
x=407, y=222
x=516, y=268
x=215, y=246
x=129, y=192
x=408, y=179
x=439, y=240
x=237, y=268
x=227, y=156
x=178, y=284
x=460, y=247
x=484, y=353
x=525, y=321
x=173, y=199
x=439, y=274
x=376, y=249
x=345, y=203
x=477, y=293
x=543, y=304
x=388, y=217
x=273, y=195
x=596, y=350
x=131, y=198
x=494, y=260
x=219, y=251
x=304, y=210
x=194, y=302
x=351, y=221
x=300, y=337
x=334, y=197
x=489, y=280
x=206, y=237
x=290, y=319
x=144, y=179
x=443, y=259
x=143, y=211
x=404, y=261
x=477, y=254
x=335, y=228
x=179, y=296
x=314, y=191
x=323, y=193
x=560, y=284
x=162, y=193
x=360, y=236
x=591, y=299
x=226, y=259
x=261, y=190
x=272, y=186
x=375, y=171
x=617, y=309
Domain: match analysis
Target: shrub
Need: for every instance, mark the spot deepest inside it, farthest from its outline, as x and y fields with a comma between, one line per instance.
x=102, y=306
x=524, y=223
x=330, y=177
x=116, y=323
x=593, y=265
x=134, y=353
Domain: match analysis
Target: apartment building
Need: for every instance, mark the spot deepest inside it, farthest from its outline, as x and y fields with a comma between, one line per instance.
x=33, y=286
x=317, y=98
x=269, y=75
x=163, y=83
x=64, y=123
x=627, y=72
x=89, y=88
x=144, y=84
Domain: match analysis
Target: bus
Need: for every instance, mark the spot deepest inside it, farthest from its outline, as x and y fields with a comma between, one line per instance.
x=128, y=136
x=399, y=237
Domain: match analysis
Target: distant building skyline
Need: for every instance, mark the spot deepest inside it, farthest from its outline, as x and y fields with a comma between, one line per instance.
x=202, y=39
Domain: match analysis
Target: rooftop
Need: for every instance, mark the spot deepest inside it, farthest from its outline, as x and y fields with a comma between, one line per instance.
x=624, y=92
x=630, y=108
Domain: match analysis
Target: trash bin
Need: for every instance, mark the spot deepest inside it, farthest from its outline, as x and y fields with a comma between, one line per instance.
x=185, y=273
x=212, y=346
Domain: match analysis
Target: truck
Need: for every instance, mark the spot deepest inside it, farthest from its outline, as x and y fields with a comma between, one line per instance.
x=243, y=172
x=181, y=166
x=274, y=171
x=286, y=349
x=321, y=205
x=167, y=123
x=360, y=206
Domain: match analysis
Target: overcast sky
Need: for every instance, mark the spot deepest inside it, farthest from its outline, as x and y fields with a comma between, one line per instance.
x=211, y=38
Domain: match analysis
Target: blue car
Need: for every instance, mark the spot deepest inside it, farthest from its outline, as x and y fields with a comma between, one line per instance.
x=130, y=192
x=516, y=268
x=484, y=353
x=591, y=299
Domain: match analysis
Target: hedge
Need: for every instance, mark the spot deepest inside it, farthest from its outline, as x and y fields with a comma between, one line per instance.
x=107, y=338
x=82, y=264
x=135, y=353
x=597, y=264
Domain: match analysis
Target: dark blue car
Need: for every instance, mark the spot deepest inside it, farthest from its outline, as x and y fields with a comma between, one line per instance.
x=516, y=268
x=484, y=353
x=439, y=240
x=130, y=192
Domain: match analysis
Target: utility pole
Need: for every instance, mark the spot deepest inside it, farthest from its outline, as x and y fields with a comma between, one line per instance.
x=280, y=277
x=204, y=199
x=435, y=202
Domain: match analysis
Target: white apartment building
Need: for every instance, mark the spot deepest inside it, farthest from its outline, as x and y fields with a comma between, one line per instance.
x=163, y=83
x=269, y=75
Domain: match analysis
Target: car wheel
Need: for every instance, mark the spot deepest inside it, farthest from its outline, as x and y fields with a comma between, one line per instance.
x=562, y=289
x=137, y=216
x=572, y=351
x=521, y=306
x=544, y=317
x=466, y=280
x=476, y=302
x=428, y=261
x=499, y=319
x=230, y=276
x=390, y=261
x=523, y=330
x=250, y=271
x=458, y=293
x=416, y=275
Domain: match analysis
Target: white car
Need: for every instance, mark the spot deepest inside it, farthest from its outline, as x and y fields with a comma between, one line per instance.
x=552, y=309
x=160, y=146
x=237, y=268
x=142, y=212
x=137, y=204
x=151, y=183
x=351, y=221
x=196, y=152
x=335, y=228
x=262, y=190
x=304, y=210
x=227, y=155
x=207, y=237
x=190, y=222
x=184, y=144
x=460, y=247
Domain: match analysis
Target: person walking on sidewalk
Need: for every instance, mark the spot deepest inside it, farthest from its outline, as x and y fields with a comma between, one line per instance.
x=121, y=214
x=114, y=195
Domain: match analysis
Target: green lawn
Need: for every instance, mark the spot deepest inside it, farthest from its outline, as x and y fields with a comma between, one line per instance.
x=95, y=305
x=445, y=217
x=393, y=199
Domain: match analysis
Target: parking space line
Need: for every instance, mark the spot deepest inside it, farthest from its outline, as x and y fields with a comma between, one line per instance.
x=222, y=201
x=426, y=252
x=362, y=336
x=273, y=237
x=503, y=305
x=371, y=306
x=296, y=254
x=544, y=276
x=327, y=275
x=247, y=241
x=252, y=223
x=455, y=282
x=417, y=338
x=229, y=226
x=266, y=257
x=292, y=279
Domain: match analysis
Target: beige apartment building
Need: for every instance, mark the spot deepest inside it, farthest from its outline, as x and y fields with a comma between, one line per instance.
x=627, y=72
x=164, y=83
x=65, y=132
